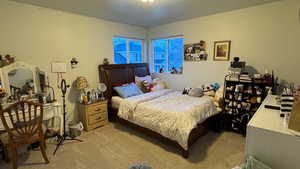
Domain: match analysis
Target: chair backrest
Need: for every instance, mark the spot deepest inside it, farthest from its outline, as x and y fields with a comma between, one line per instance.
x=23, y=119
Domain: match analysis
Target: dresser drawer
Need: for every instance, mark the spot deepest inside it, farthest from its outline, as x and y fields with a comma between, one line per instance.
x=97, y=124
x=97, y=118
x=94, y=109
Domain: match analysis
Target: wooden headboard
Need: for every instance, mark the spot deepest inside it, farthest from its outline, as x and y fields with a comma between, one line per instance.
x=118, y=74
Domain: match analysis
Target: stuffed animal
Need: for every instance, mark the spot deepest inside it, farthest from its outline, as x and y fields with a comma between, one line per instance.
x=186, y=90
x=208, y=90
x=146, y=86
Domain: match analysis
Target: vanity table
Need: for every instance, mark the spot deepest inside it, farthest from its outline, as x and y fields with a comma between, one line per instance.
x=51, y=110
x=21, y=80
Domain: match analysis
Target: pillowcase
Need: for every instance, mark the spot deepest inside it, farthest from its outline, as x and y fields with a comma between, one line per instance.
x=196, y=92
x=128, y=90
x=139, y=80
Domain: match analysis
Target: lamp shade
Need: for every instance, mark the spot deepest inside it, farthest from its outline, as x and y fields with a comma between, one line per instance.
x=81, y=83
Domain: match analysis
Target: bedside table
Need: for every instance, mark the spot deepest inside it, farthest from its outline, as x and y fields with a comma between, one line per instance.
x=93, y=115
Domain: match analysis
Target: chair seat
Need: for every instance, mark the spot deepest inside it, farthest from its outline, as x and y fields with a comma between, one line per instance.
x=5, y=138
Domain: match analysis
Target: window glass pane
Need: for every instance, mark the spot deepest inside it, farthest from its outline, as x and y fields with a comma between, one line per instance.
x=160, y=54
x=120, y=50
x=176, y=55
x=135, y=51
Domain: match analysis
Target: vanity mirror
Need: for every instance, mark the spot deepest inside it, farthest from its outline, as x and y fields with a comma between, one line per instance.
x=21, y=79
x=21, y=82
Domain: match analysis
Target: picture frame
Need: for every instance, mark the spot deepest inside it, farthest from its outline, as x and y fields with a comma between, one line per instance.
x=222, y=50
x=195, y=52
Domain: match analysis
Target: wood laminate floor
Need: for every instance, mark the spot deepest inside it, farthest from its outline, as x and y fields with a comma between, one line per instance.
x=117, y=147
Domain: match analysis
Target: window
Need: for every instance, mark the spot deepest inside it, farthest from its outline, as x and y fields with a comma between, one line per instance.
x=128, y=50
x=168, y=55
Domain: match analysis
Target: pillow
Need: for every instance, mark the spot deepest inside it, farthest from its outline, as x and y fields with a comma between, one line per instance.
x=158, y=84
x=139, y=80
x=196, y=92
x=128, y=90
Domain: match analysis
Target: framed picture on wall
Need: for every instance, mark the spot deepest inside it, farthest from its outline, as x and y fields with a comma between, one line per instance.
x=195, y=52
x=222, y=50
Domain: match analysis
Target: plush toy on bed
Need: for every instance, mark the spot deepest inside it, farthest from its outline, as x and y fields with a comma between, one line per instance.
x=186, y=90
x=146, y=86
x=209, y=90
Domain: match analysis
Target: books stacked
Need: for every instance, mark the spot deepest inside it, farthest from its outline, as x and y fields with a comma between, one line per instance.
x=245, y=78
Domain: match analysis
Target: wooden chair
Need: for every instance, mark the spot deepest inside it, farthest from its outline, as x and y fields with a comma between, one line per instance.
x=23, y=123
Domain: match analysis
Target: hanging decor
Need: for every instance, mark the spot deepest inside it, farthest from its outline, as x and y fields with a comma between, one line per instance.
x=195, y=52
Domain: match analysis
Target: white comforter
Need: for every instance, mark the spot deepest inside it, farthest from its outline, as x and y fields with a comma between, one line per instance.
x=168, y=112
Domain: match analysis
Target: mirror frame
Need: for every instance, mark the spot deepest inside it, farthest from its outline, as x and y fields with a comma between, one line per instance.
x=16, y=65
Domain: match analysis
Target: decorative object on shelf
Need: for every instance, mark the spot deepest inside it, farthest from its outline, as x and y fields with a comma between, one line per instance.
x=102, y=88
x=6, y=60
x=82, y=84
x=105, y=61
x=9, y=59
x=222, y=50
x=195, y=52
x=74, y=63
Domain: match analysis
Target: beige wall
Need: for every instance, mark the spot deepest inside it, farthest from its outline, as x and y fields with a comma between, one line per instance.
x=39, y=36
x=266, y=37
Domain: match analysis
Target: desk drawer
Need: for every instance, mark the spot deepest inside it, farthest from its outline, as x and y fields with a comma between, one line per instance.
x=94, y=109
x=97, y=117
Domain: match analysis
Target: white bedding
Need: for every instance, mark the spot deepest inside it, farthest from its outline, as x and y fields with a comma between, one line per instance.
x=116, y=101
x=168, y=112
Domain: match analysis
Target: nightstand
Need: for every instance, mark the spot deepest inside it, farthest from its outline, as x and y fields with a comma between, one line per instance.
x=93, y=115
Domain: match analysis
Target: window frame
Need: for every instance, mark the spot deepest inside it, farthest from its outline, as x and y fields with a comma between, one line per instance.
x=152, y=52
x=128, y=39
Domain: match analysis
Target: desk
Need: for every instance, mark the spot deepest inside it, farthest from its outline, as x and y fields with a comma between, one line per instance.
x=51, y=110
x=269, y=140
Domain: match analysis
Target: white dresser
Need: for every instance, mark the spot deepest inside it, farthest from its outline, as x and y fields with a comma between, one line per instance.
x=269, y=141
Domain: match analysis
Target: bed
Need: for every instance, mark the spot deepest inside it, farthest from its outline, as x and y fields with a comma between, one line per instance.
x=166, y=114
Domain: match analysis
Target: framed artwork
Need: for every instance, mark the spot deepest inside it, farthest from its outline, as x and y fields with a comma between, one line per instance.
x=195, y=52
x=222, y=50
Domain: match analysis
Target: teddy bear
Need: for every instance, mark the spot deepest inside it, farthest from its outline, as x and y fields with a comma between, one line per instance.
x=146, y=86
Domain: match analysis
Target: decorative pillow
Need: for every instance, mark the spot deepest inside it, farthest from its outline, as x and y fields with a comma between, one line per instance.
x=196, y=92
x=128, y=90
x=139, y=80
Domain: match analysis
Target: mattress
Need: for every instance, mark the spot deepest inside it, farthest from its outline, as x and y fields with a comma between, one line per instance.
x=116, y=101
x=168, y=112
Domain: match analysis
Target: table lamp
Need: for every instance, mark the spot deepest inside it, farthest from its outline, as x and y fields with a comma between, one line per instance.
x=81, y=84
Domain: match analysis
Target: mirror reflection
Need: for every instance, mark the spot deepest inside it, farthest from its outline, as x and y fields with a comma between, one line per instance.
x=21, y=82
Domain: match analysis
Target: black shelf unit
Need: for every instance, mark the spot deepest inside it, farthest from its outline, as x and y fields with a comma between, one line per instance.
x=241, y=101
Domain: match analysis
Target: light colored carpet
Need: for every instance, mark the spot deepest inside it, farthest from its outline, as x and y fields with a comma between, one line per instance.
x=118, y=147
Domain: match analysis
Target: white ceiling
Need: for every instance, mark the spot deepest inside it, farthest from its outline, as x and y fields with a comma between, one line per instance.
x=136, y=12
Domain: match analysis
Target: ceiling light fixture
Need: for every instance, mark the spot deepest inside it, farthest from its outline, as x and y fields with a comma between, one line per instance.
x=147, y=1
